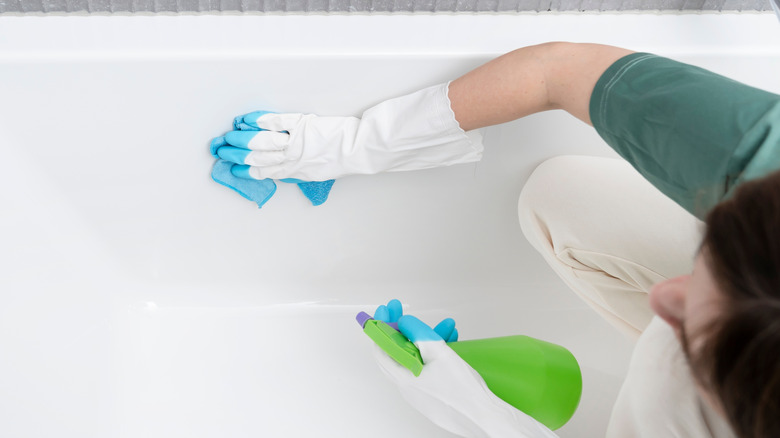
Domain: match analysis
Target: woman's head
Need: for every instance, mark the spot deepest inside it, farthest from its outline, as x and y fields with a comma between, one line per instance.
x=727, y=312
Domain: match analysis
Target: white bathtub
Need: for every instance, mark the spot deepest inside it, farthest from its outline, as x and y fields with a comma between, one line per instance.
x=141, y=299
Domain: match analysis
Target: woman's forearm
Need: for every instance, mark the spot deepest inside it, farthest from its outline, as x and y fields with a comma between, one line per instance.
x=530, y=80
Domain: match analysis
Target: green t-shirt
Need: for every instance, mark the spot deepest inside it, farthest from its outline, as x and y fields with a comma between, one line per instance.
x=693, y=134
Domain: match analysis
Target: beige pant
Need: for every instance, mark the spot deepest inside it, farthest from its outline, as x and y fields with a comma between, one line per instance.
x=608, y=233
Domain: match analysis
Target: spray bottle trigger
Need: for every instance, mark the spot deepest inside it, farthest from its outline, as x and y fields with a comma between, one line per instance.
x=395, y=344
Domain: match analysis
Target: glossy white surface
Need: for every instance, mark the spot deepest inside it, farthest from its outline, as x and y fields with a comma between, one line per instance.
x=140, y=299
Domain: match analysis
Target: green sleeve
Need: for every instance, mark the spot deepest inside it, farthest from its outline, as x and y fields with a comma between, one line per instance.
x=693, y=134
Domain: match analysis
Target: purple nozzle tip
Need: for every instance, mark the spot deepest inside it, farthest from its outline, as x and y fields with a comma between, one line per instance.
x=362, y=317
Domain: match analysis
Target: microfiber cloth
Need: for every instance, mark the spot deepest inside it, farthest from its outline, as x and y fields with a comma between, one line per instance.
x=260, y=191
x=316, y=191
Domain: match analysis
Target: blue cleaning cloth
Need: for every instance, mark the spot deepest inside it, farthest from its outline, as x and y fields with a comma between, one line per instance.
x=260, y=191
x=316, y=191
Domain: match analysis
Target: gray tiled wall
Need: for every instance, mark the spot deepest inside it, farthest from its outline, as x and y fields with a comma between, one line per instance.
x=367, y=6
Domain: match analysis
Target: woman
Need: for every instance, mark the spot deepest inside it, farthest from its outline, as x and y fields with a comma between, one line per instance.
x=709, y=365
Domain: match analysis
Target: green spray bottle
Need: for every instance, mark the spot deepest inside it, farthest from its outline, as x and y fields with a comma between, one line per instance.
x=540, y=379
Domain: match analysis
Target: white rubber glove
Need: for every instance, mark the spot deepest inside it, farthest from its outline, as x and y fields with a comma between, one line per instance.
x=416, y=131
x=451, y=393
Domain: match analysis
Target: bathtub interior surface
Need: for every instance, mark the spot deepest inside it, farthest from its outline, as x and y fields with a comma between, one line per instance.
x=142, y=299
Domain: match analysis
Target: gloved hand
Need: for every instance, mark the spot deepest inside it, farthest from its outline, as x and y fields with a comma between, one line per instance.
x=394, y=310
x=227, y=173
x=448, y=391
x=416, y=131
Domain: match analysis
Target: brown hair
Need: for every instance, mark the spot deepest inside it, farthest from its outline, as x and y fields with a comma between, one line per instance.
x=739, y=361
